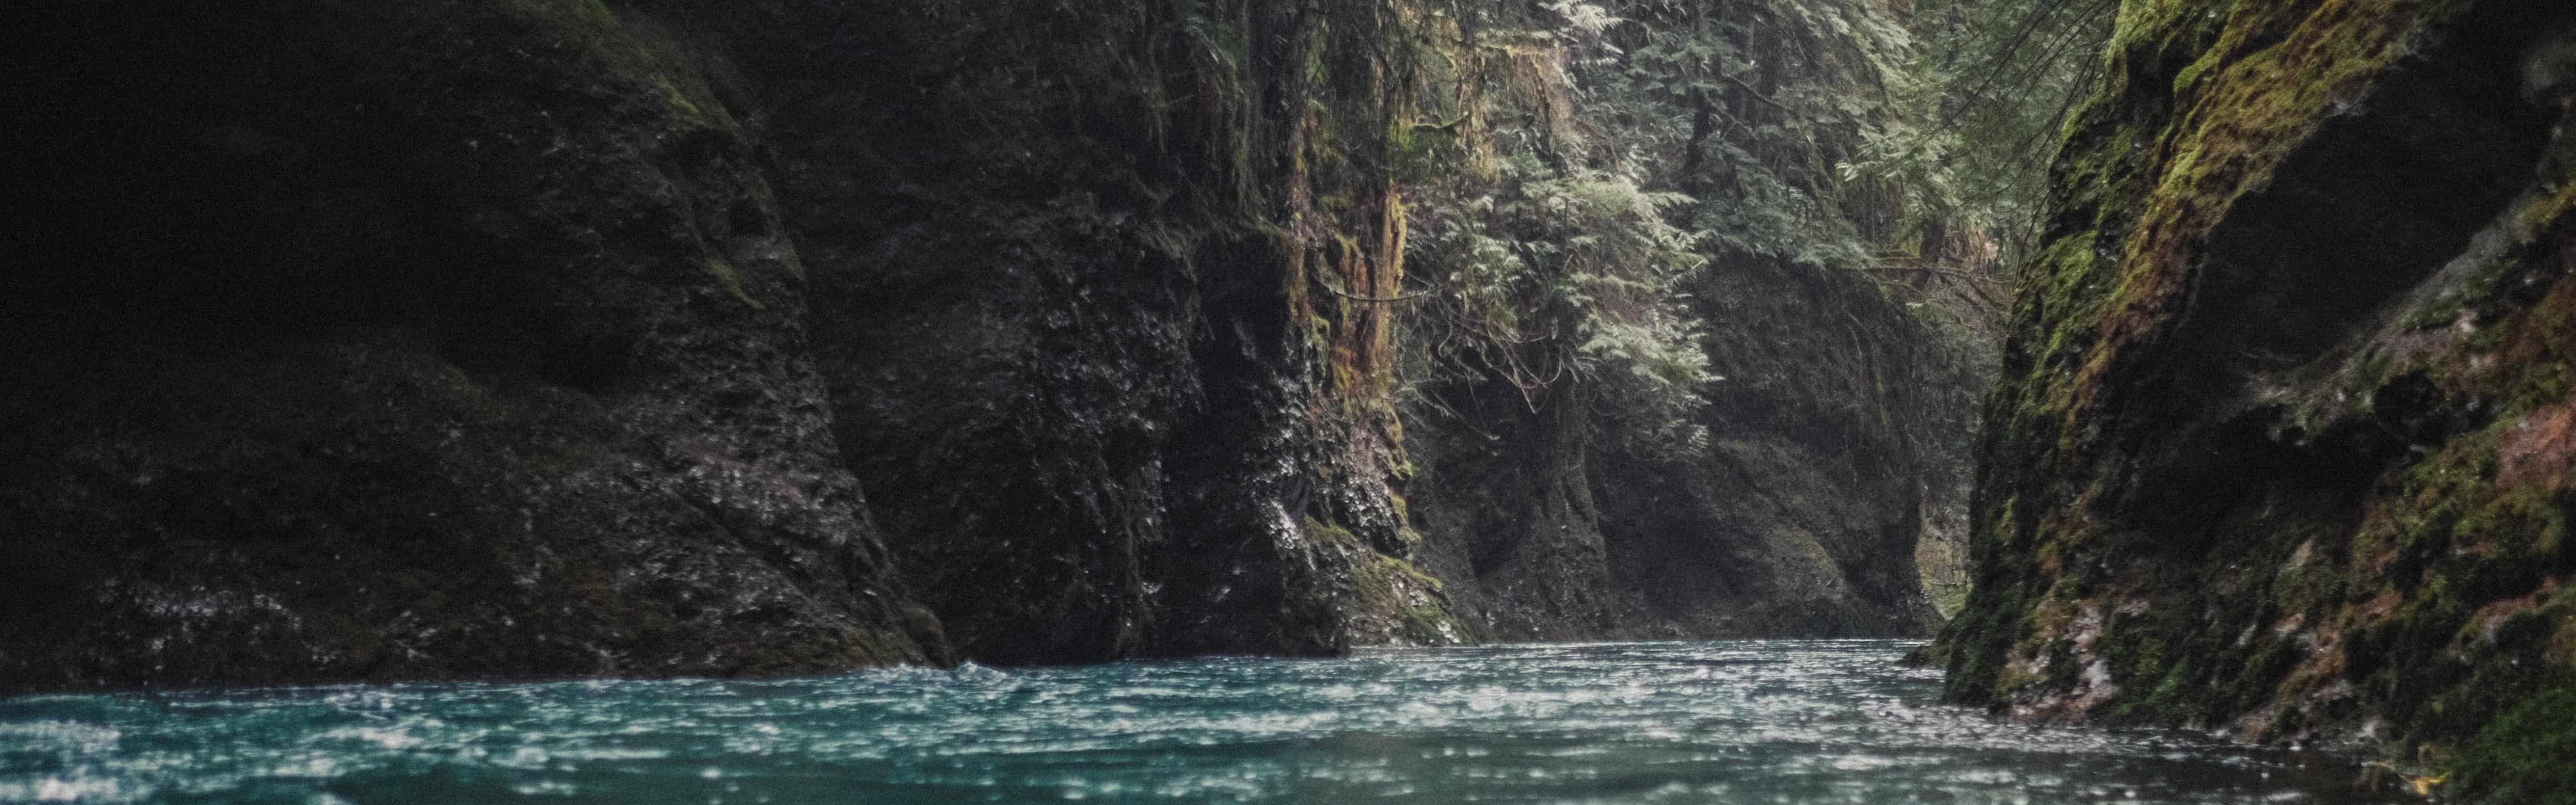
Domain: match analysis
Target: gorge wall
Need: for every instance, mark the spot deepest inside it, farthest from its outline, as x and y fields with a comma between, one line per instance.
x=475, y=338
x=2281, y=445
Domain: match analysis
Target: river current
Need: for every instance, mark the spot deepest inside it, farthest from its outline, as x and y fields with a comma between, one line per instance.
x=1729, y=722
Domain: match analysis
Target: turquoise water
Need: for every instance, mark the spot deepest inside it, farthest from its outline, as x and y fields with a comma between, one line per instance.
x=1749, y=721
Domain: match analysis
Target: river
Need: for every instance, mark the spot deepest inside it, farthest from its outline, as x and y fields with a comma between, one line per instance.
x=1732, y=721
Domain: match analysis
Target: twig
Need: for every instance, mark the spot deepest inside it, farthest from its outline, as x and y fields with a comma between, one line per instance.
x=1756, y=93
x=1946, y=271
x=1356, y=297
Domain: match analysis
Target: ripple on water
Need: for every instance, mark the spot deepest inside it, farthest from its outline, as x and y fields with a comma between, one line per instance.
x=1750, y=721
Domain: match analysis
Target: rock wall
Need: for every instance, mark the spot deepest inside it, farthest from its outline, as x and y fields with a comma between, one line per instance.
x=1832, y=451
x=510, y=337
x=1089, y=290
x=1837, y=443
x=2279, y=448
x=1503, y=496
x=407, y=341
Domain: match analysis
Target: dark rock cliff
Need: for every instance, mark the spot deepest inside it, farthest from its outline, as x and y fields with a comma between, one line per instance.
x=1837, y=443
x=1084, y=283
x=498, y=337
x=419, y=340
x=559, y=337
x=2281, y=446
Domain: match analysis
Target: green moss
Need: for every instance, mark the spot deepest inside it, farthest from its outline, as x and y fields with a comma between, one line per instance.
x=678, y=101
x=1380, y=574
x=1425, y=624
x=2539, y=386
x=1328, y=532
x=2190, y=75
x=2523, y=757
x=636, y=53
x=732, y=280
x=1390, y=587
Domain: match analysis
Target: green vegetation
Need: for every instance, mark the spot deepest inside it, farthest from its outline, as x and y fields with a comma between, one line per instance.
x=2260, y=496
x=2522, y=756
x=1580, y=170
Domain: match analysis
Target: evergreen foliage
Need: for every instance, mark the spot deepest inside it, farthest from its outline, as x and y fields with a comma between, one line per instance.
x=1592, y=159
x=1992, y=86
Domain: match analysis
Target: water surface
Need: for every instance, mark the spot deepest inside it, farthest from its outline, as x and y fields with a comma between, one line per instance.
x=1743, y=721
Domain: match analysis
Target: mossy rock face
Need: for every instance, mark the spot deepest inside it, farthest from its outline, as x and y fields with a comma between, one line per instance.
x=1389, y=602
x=2277, y=447
x=2522, y=756
x=419, y=340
